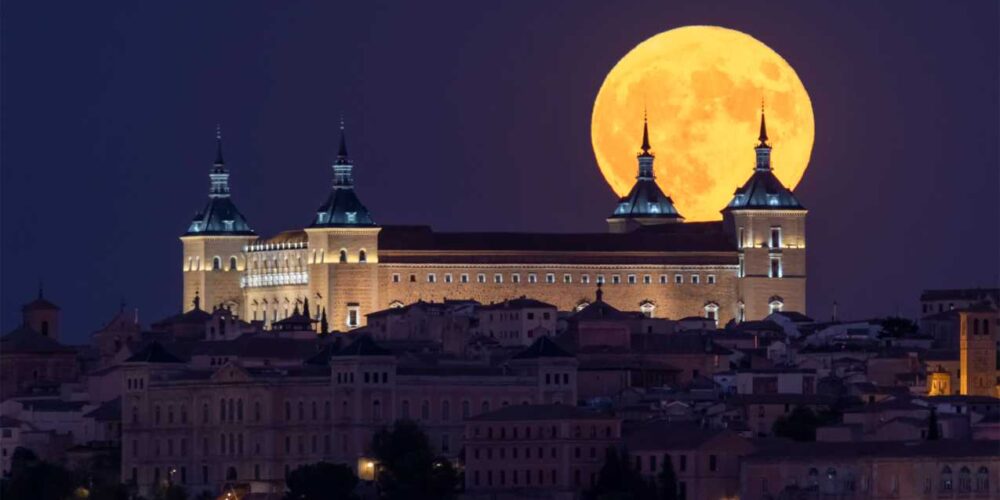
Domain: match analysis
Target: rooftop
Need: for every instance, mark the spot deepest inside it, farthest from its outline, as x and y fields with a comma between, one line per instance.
x=523, y=413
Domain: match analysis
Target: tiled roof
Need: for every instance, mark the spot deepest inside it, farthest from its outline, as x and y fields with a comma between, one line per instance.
x=363, y=346
x=192, y=317
x=154, y=352
x=524, y=413
x=52, y=405
x=544, y=347
x=664, y=238
x=109, y=411
x=763, y=191
x=342, y=209
x=662, y=435
x=219, y=217
x=790, y=450
x=40, y=304
x=25, y=340
x=599, y=310
x=645, y=200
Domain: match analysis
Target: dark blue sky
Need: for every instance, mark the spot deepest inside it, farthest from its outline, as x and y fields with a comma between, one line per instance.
x=464, y=115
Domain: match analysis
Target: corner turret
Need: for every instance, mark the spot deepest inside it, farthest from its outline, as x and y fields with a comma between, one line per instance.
x=645, y=204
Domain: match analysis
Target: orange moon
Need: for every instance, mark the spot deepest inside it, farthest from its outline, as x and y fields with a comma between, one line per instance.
x=702, y=87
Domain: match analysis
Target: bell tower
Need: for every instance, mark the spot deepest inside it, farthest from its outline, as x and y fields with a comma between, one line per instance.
x=213, y=245
x=343, y=250
x=768, y=225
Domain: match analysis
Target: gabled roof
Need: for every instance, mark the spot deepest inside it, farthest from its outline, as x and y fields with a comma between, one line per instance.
x=154, y=352
x=363, y=346
x=219, y=217
x=599, y=310
x=544, y=347
x=663, y=435
x=192, y=317
x=24, y=340
x=645, y=200
x=40, y=304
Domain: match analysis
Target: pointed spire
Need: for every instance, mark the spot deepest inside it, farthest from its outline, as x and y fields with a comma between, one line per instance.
x=305, y=308
x=324, y=327
x=645, y=134
x=218, y=145
x=763, y=128
x=342, y=150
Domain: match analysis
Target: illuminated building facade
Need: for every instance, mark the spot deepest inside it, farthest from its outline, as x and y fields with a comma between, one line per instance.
x=745, y=266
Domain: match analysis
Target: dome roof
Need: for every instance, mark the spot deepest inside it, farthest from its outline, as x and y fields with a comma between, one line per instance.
x=646, y=200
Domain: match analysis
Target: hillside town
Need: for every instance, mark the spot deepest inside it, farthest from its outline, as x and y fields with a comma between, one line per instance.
x=514, y=399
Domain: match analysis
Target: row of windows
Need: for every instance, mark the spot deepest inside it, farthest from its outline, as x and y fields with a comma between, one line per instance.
x=540, y=432
x=540, y=478
x=774, y=239
x=616, y=279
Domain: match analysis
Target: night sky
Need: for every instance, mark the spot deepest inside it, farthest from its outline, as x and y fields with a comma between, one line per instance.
x=466, y=116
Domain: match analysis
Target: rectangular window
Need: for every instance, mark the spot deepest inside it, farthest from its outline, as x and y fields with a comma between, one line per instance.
x=775, y=237
x=464, y=278
x=695, y=279
x=515, y=278
x=532, y=278
x=712, y=463
x=498, y=278
x=550, y=278
x=447, y=278
x=353, y=316
x=631, y=279
x=567, y=278
x=678, y=278
x=481, y=278
x=600, y=278
x=663, y=279
x=775, y=269
x=615, y=279
x=431, y=278
x=742, y=272
x=710, y=279
x=413, y=278
x=647, y=279
x=585, y=278
x=395, y=278
x=740, y=242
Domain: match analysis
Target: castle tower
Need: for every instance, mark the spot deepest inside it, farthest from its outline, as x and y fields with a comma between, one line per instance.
x=977, y=349
x=343, y=250
x=42, y=316
x=768, y=224
x=213, y=246
x=645, y=204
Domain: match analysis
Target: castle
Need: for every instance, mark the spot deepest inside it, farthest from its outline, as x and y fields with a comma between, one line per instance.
x=744, y=267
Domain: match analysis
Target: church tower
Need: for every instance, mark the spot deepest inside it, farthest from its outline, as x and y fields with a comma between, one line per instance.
x=343, y=250
x=214, y=244
x=769, y=227
x=645, y=204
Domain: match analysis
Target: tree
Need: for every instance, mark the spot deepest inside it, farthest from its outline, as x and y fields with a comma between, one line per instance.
x=668, y=479
x=801, y=423
x=897, y=327
x=171, y=492
x=619, y=480
x=408, y=467
x=320, y=481
x=39, y=480
x=933, y=431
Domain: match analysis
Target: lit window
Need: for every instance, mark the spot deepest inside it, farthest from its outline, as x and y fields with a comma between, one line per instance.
x=663, y=279
x=775, y=269
x=712, y=312
x=741, y=272
x=481, y=278
x=775, y=241
x=631, y=279
x=647, y=279
x=741, y=238
x=532, y=278
x=600, y=278
x=710, y=279
x=615, y=279
x=216, y=263
x=353, y=316
x=515, y=278
x=647, y=309
x=585, y=278
x=775, y=306
x=431, y=278
x=362, y=256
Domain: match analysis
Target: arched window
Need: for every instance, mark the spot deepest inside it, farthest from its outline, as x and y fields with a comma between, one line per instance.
x=776, y=305
x=983, y=479
x=233, y=263
x=343, y=255
x=362, y=256
x=216, y=263
x=964, y=480
x=946, y=479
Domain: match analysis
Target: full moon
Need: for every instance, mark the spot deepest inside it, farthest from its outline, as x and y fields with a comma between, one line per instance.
x=702, y=88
